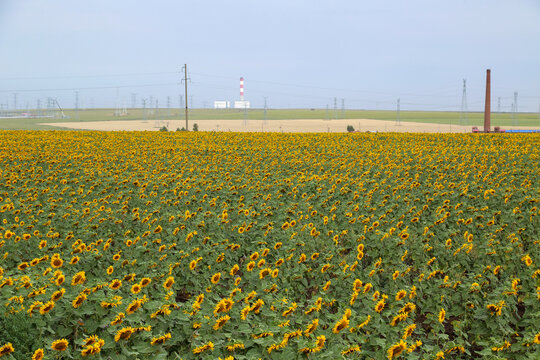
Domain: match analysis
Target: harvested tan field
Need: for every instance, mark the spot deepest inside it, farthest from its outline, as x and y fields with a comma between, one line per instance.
x=303, y=125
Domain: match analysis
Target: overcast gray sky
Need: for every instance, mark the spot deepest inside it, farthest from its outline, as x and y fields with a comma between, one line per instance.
x=297, y=53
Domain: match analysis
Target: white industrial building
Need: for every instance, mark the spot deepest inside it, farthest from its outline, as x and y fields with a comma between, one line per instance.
x=242, y=104
x=221, y=104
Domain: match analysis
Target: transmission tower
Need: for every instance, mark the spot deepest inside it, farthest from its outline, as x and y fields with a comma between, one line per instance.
x=133, y=100
x=15, y=101
x=499, y=104
x=398, y=120
x=144, y=108
x=265, y=111
x=335, y=108
x=514, y=120
x=515, y=109
x=327, y=113
x=157, y=123
x=343, y=108
x=168, y=106
x=463, y=116
x=77, y=105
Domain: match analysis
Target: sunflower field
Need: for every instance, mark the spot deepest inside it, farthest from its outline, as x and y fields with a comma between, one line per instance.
x=155, y=245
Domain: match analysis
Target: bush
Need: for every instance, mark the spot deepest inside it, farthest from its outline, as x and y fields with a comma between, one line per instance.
x=350, y=128
x=195, y=127
x=163, y=128
x=182, y=129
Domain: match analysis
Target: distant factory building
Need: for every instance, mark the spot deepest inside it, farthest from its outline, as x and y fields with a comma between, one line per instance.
x=222, y=104
x=238, y=104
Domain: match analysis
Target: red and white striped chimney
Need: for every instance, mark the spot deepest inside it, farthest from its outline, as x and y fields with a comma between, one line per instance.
x=241, y=89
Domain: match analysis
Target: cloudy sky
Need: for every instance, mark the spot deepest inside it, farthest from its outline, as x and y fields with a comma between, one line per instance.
x=294, y=53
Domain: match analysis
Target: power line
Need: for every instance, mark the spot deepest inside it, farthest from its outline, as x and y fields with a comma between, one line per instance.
x=83, y=76
x=91, y=87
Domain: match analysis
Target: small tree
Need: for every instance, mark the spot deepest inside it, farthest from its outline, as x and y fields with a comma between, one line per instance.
x=350, y=128
x=195, y=127
x=163, y=128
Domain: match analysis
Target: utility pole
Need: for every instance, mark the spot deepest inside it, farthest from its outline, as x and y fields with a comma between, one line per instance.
x=180, y=102
x=463, y=116
x=335, y=108
x=516, y=102
x=499, y=104
x=168, y=106
x=185, y=80
x=15, y=101
x=133, y=100
x=343, y=108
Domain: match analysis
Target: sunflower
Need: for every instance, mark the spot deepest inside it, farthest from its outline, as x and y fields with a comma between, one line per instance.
x=357, y=285
x=118, y=319
x=56, y=262
x=134, y=306
x=60, y=345
x=136, y=288
x=527, y=260
x=250, y=266
x=221, y=321
x=192, y=265
x=6, y=349
x=215, y=278
x=340, y=325
x=167, y=284
x=110, y=270
x=280, y=262
x=57, y=295
x=78, y=301
x=78, y=278
x=145, y=281
x=327, y=285
x=442, y=314
x=400, y=295
x=380, y=306
x=277, y=245
x=408, y=331
x=207, y=346
x=396, y=349
x=45, y=308
x=115, y=284
x=124, y=333
x=263, y=273
x=234, y=270
x=38, y=354
x=160, y=339
x=158, y=229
